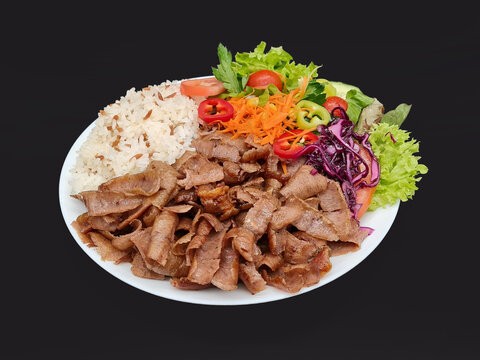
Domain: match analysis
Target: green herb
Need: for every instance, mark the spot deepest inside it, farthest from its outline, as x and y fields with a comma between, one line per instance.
x=315, y=92
x=224, y=71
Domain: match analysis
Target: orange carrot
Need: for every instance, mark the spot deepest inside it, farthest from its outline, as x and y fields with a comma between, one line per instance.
x=266, y=123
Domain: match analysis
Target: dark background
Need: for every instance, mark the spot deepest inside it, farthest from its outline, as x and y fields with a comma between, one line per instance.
x=413, y=298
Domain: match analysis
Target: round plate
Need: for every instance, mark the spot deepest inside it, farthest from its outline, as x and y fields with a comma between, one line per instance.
x=380, y=220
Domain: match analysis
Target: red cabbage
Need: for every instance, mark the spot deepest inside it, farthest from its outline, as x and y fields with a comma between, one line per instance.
x=337, y=155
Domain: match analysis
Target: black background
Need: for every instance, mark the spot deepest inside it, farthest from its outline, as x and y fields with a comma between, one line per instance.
x=414, y=298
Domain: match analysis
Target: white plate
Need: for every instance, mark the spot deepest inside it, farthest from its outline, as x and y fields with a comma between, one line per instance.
x=380, y=220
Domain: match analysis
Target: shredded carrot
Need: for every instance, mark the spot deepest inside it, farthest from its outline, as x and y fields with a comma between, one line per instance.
x=266, y=123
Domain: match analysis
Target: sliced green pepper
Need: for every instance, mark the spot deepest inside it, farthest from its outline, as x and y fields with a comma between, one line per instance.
x=310, y=115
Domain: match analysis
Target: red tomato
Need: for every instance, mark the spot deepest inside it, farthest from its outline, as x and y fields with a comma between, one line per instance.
x=284, y=147
x=364, y=195
x=333, y=102
x=202, y=87
x=214, y=109
x=262, y=78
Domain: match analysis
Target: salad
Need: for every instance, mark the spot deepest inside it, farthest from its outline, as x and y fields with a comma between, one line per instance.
x=333, y=126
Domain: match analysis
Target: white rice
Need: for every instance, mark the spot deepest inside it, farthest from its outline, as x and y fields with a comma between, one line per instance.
x=137, y=128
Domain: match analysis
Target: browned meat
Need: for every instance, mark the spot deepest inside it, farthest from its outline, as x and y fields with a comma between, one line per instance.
x=294, y=166
x=251, y=278
x=259, y=216
x=297, y=251
x=357, y=235
x=241, y=195
x=174, y=266
x=182, y=160
x=239, y=219
x=319, y=243
x=162, y=237
x=185, y=196
x=273, y=262
x=341, y=221
x=273, y=169
x=216, y=201
x=140, y=269
x=199, y=171
x=82, y=228
x=231, y=212
x=181, y=244
x=292, y=278
x=145, y=183
x=216, y=149
x=184, y=223
x=206, y=260
x=341, y=247
x=272, y=186
x=101, y=203
x=318, y=267
x=332, y=198
x=313, y=202
x=123, y=242
x=256, y=181
x=196, y=241
x=233, y=173
x=303, y=184
x=226, y=277
x=212, y=222
x=257, y=153
x=287, y=214
x=276, y=244
x=106, y=250
x=185, y=284
x=226, y=139
x=314, y=222
x=243, y=241
x=251, y=168
x=149, y=215
x=108, y=222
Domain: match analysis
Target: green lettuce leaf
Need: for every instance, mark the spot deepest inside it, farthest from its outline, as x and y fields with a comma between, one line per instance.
x=276, y=59
x=400, y=169
x=398, y=115
x=356, y=100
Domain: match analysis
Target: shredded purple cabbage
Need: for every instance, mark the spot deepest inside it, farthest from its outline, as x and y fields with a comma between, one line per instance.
x=337, y=155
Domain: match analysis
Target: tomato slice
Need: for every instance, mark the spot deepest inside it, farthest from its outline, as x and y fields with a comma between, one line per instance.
x=210, y=86
x=285, y=147
x=365, y=194
x=364, y=197
x=214, y=109
x=262, y=78
x=333, y=102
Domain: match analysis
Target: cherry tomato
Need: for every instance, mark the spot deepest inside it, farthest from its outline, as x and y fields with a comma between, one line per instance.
x=333, y=102
x=364, y=195
x=202, y=87
x=262, y=78
x=214, y=109
x=284, y=147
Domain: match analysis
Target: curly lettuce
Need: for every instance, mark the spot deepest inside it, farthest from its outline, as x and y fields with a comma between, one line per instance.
x=234, y=73
x=399, y=165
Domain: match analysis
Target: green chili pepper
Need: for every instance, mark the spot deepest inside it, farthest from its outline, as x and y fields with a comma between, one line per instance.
x=310, y=115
